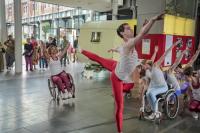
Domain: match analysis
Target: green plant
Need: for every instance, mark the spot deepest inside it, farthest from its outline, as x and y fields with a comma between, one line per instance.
x=45, y=28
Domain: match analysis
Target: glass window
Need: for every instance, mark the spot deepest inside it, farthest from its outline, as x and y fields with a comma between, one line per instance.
x=95, y=37
x=182, y=8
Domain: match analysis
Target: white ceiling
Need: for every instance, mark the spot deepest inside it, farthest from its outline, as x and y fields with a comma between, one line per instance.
x=96, y=5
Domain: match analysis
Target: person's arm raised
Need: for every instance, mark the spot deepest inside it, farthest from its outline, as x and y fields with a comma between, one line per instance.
x=145, y=29
x=194, y=57
x=154, y=54
x=178, y=60
x=159, y=61
x=114, y=50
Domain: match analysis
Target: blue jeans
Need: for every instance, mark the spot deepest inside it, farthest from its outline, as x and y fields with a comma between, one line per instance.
x=152, y=93
x=42, y=62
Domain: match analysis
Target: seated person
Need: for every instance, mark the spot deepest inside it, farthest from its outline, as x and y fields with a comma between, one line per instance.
x=58, y=75
x=170, y=75
x=157, y=84
x=194, y=91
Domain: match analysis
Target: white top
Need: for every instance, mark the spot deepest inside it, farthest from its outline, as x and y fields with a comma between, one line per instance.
x=55, y=66
x=126, y=65
x=148, y=73
x=171, y=79
x=147, y=76
x=157, y=78
x=196, y=94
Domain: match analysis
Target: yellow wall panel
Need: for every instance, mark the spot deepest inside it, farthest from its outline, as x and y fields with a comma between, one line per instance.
x=189, y=27
x=179, y=26
x=169, y=24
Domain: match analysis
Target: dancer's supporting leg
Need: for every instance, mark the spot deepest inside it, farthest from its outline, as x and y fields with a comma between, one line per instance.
x=117, y=88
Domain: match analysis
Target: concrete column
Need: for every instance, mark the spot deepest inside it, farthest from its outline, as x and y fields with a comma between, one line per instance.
x=3, y=28
x=18, y=36
x=114, y=9
x=93, y=16
x=72, y=22
x=134, y=9
x=41, y=31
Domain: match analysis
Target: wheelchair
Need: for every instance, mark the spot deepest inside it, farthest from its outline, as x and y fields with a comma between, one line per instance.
x=167, y=103
x=56, y=93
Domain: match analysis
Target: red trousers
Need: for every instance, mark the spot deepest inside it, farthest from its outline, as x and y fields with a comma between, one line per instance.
x=118, y=87
x=61, y=80
x=194, y=106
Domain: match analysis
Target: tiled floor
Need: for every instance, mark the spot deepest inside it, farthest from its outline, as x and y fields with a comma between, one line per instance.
x=26, y=107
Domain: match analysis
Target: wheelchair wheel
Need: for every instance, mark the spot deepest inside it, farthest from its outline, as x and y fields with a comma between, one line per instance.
x=72, y=86
x=157, y=121
x=171, y=105
x=128, y=95
x=52, y=89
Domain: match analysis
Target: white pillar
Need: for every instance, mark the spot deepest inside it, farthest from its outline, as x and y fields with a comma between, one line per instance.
x=18, y=36
x=41, y=31
x=93, y=16
x=3, y=28
x=114, y=9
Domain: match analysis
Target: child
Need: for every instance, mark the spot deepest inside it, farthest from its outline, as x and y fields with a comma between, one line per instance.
x=41, y=54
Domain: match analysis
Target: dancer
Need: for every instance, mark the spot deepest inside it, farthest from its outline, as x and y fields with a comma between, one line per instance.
x=145, y=77
x=194, y=91
x=157, y=84
x=186, y=84
x=121, y=72
x=58, y=75
x=171, y=78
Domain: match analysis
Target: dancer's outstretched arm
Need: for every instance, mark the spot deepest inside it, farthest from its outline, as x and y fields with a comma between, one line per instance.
x=194, y=57
x=178, y=61
x=145, y=29
x=158, y=62
x=154, y=54
x=114, y=50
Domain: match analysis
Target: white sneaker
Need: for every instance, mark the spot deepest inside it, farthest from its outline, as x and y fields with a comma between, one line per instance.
x=150, y=117
x=195, y=115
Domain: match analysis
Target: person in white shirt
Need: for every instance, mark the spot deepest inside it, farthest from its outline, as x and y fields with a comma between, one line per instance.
x=122, y=72
x=58, y=75
x=157, y=83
